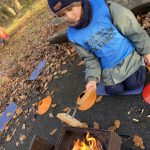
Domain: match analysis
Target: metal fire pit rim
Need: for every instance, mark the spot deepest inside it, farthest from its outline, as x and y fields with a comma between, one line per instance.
x=70, y=128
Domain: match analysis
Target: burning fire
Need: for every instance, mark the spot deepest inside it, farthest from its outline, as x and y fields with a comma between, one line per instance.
x=91, y=144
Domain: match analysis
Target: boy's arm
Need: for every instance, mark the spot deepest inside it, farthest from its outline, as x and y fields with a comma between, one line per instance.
x=93, y=68
x=127, y=24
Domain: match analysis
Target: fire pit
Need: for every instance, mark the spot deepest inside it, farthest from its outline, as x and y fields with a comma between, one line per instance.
x=105, y=140
x=73, y=138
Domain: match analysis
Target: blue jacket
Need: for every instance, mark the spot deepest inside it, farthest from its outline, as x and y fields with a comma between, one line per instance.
x=101, y=37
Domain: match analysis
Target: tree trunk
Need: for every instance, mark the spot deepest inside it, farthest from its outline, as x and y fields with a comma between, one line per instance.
x=8, y=9
x=17, y=4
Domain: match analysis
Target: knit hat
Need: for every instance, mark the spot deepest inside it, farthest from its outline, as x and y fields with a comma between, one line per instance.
x=57, y=5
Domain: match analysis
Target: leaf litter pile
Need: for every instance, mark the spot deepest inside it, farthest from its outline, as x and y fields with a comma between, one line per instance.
x=19, y=58
x=144, y=20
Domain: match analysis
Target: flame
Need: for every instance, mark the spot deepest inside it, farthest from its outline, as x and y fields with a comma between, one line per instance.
x=91, y=144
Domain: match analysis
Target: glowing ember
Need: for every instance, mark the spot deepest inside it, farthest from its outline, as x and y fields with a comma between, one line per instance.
x=91, y=144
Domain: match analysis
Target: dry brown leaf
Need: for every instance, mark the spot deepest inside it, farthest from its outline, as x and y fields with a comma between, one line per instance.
x=96, y=125
x=80, y=63
x=51, y=115
x=66, y=109
x=30, y=109
x=68, y=52
x=19, y=111
x=23, y=97
x=56, y=77
x=138, y=141
x=72, y=49
x=53, y=131
x=117, y=124
x=84, y=125
x=34, y=105
x=22, y=138
x=17, y=121
x=17, y=144
x=99, y=98
x=14, y=116
x=26, y=111
x=52, y=92
x=53, y=105
x=23, y=127
x=8, y=138
x=14, y=132
x=64, y=71
x=9, y=114
x=18, y=124
x=6, y=128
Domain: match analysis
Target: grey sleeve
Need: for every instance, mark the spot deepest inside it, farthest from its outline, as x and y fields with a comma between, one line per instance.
x=93, y=68
x=125, y=21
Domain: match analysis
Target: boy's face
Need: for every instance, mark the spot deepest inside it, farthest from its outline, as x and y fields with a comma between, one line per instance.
x=71, y=14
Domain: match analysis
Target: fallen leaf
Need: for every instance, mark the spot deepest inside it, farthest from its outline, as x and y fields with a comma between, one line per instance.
x=19, y=111
x=84, y=125
x=56, y=77
x=81, y=63
x=52, y=92
x=17, y=121
x=51, y=115
x=53, y=131
x=9, y=114
x=53, y=105
x=23, y=126
x=22, y=138
x=64, y=71
x=6, y=128
x=14, y=116
x=8, y=138
x=34, y=105
x=17, y=144
x=18, y=124
x=72, y=50
x=117, y=124
x=30, y=109
x=99, y=98
x=26, y=111
x=23, y=97
x=96, y=125
x=66, y=109
x=14, y=132
x=138, y=141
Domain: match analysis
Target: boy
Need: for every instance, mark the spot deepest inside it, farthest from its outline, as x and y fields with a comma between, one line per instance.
x=109, y=40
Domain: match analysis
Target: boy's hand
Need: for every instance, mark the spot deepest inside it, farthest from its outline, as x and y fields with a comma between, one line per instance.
x=91, y=84
x=147, y=59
